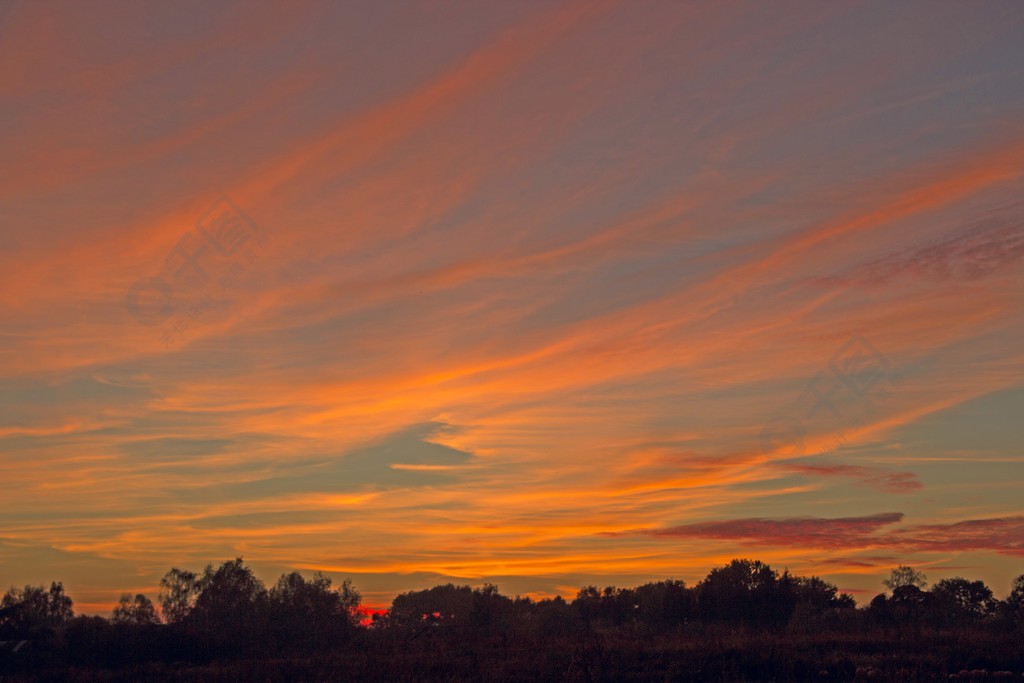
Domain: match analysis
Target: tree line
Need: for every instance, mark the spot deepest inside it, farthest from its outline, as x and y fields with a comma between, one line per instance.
x=228, y=612
x=744, y=593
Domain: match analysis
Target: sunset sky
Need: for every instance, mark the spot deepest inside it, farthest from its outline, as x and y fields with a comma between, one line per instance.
x=541, y=294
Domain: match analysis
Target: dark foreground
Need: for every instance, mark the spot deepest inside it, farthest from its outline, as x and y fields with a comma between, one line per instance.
x=723, y=655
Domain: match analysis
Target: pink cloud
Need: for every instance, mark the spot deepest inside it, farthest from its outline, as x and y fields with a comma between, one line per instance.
x=1003, y=535
x=978, y=249
x=870, y=477
x=816, y=532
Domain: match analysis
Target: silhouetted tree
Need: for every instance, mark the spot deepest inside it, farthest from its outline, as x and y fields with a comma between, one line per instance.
x=665, y=603
x=815, y=593
x=742, y=591
x=138, y=610
x=308, y=614
x=781, y=601
x=231, y=608
x=447, y=605
x=959, y=600
x=909, y=604
x=491, y=610
x=880, y=610
x=619, y=606
x=587, y=604
x=178, y=592
x=610, y=607
x=904, y=576
x=554, y=616
x=1016, y=596
x=1013, y=606
x=32, y=609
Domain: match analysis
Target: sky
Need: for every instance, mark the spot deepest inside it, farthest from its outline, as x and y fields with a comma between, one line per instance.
x=539, y=294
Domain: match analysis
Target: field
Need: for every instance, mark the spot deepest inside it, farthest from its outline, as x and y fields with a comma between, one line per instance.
x=695, y=655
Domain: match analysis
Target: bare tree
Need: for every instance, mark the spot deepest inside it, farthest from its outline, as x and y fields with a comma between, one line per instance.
x=904, y=576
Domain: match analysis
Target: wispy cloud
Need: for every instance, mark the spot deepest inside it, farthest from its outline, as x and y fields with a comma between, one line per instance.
x=535, y=274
